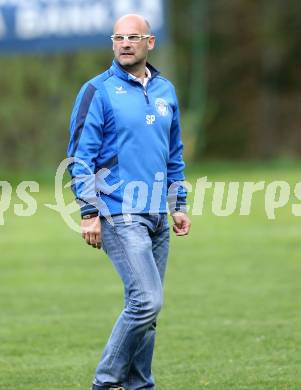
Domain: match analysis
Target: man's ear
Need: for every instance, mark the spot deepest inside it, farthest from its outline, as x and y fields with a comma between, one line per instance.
x=151, y=43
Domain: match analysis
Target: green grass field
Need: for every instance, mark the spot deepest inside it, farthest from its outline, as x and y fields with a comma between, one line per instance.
x=232, y=312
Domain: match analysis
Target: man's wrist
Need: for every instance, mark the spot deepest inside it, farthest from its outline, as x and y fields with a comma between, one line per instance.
x=176, y=213
x=180, y=209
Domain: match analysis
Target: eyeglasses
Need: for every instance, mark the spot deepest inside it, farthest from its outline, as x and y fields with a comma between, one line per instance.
x=134, y=38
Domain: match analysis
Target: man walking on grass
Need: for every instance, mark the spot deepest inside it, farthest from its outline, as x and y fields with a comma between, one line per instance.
x=126, y=141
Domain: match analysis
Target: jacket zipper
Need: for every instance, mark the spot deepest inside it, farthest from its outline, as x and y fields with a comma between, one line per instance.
x=144, y=90
x=146, y=95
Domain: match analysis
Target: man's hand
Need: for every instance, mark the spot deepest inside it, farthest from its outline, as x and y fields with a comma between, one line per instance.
x=91, y=231
x=181, y=224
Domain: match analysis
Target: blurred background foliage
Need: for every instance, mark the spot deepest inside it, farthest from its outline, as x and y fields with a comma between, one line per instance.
x=235, y=65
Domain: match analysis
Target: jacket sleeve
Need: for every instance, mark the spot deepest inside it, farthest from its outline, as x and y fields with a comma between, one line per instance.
x=175, y=169
x=86, y=134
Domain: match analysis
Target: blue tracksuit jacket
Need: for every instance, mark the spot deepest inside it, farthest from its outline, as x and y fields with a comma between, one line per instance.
x=126, y=144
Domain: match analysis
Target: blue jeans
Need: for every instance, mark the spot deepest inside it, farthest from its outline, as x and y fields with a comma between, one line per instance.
x=137, y=245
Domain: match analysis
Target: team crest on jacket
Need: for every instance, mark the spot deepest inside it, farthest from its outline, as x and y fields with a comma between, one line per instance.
x=161, y=106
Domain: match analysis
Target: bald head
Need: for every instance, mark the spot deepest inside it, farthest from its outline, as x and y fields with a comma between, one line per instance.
x=133, y=24
x=132, y=55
